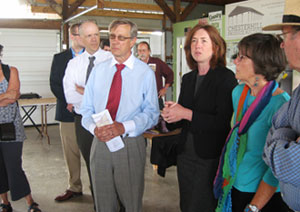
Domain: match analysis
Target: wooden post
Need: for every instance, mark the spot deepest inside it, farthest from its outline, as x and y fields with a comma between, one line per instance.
x=65, y=27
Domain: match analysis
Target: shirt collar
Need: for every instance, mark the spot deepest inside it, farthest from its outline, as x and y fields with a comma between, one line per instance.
x=74, y=53
x=89, y=55
x=129, y=62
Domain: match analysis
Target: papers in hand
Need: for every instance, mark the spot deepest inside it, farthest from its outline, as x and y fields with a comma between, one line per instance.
x=103, y=118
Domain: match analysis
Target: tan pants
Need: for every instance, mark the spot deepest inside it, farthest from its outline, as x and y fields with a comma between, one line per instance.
x=71, y=154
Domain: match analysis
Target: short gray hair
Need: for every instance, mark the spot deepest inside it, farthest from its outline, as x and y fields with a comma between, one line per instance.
x=80, y=28
x=122, y=21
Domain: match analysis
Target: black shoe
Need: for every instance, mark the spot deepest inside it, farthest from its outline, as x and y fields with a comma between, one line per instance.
x=6, y=208
x=34, y=207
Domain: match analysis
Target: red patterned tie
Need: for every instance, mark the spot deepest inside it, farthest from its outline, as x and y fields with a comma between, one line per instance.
x=115, y=92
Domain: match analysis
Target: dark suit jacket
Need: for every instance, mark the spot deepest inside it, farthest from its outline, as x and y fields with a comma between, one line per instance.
x=164, y=152
x=212, y=110
x=59, y=65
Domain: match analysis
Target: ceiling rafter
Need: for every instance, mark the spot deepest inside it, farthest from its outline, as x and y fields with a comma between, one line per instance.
x=45, y=9
x=177, y=11
x=167, y=10
x=74, y=6
x=214, y=2
x=65, y=9
x=121, y=14
x=188, y=9
x=29, y=24
x=55, y=6
x=177, y=14
x=110, y=8
x=109, y=4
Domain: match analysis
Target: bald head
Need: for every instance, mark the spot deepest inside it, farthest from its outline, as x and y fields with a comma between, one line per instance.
x=90, y=35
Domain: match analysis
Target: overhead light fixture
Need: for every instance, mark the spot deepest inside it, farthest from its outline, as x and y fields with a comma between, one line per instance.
x=99, y=4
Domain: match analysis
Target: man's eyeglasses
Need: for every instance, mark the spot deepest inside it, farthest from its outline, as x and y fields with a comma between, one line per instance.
x=75, y=34
x=119, y=37
x=282, y=36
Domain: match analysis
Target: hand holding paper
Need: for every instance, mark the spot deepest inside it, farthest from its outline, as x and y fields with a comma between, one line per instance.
x=108, y=131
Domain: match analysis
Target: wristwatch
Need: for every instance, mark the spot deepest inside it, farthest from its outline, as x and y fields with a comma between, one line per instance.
x=251, y=208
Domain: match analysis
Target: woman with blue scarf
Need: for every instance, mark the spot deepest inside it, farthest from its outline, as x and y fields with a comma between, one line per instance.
x=244, y=182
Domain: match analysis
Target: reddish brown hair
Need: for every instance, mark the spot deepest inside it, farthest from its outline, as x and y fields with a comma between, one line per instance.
x=218, y=46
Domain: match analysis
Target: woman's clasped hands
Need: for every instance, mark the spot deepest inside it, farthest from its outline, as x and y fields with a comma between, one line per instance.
x=174, y=112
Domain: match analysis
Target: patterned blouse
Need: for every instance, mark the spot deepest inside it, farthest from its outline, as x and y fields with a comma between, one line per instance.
x=11, y=113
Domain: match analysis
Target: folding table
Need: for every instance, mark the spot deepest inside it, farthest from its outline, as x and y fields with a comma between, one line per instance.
x=30, y=105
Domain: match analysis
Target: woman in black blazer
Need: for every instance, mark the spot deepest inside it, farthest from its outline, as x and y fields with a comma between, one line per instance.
x=204, y=112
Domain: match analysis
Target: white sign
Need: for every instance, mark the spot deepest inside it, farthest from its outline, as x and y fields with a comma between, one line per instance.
x=248, y=17
x=215, y=19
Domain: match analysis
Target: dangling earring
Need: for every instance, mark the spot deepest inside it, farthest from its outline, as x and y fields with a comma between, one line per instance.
x=256, y=81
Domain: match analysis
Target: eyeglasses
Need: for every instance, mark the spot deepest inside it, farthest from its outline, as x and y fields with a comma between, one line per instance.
x=119, y=37
x=75, y=34
x=241, y=57
x=282, y=36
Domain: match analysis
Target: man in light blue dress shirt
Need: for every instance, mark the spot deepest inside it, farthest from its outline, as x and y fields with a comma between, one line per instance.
x=282, y=148
x=120, y=174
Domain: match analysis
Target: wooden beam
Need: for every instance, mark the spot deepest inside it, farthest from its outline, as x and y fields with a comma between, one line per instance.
x=164, y=22
x=55, y=6
x=164, y=6
x=132, y=6
x=65, y=16
x=164, y=26
x=100, y=3
x=188, y=9
x=214, y=2
x=30, y=24
x=113, y=4
x=177, y=11
x=120, y=14
x=65, y=9
x=44, y=9
x=65, y=36
x=74, y=6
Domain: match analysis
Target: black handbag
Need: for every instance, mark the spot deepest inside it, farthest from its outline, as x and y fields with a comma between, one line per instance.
x=7, y=132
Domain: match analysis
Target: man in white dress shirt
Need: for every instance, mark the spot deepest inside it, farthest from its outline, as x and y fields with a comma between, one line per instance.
x=75, y=79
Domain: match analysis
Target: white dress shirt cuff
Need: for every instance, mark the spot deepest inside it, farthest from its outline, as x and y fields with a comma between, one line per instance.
x=129, y=126
x=92, y=128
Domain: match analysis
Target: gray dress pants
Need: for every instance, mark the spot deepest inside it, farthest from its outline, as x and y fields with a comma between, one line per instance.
x=118, y=175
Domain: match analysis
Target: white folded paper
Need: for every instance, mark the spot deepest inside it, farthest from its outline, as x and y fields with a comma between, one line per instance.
x=103, y=118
